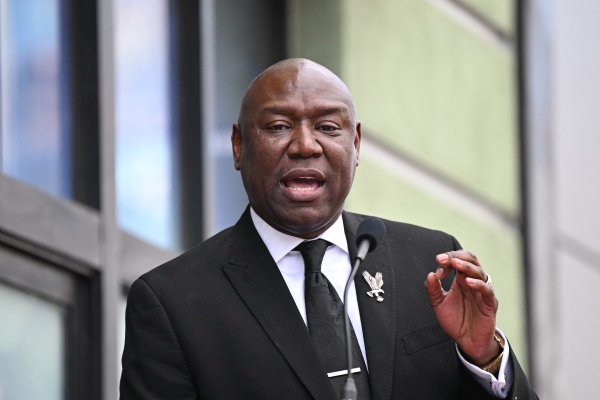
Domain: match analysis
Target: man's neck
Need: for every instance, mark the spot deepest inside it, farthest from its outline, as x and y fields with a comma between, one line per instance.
x=279, y=243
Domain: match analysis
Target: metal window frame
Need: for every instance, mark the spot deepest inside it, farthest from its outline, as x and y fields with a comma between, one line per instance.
x=31, y=269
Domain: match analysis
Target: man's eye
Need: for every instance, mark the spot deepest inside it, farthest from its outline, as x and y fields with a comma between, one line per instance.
x=278, y=127
x=327, y=128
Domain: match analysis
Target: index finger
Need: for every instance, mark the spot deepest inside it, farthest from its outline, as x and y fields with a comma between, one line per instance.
x=465, y=255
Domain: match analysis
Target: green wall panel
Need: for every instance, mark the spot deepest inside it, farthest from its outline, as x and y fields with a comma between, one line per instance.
x=435, y=91
x=314, y=31
x=501, y=13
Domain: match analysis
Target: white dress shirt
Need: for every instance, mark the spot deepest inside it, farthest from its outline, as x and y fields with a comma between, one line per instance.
x=336, y=267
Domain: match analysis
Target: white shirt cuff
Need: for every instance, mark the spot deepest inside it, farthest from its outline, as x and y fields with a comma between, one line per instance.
x=500, y=386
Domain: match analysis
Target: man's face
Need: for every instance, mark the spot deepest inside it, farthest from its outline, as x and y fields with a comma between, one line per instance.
x=296, y=146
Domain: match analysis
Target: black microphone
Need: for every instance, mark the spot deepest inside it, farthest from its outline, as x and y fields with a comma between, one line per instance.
x=370, y=232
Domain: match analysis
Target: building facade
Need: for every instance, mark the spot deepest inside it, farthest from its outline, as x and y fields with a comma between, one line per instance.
x=115, y=117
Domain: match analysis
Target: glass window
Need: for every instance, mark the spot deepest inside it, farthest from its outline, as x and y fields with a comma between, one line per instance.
x=246, y=42
x=34, y=95
x=32, y=340
x=146, y=185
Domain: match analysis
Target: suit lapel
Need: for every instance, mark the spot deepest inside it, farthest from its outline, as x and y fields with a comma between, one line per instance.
x=259, y=282
x=378, y=319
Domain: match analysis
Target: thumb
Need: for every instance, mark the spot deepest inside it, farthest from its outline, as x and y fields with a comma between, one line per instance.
x=434, y=290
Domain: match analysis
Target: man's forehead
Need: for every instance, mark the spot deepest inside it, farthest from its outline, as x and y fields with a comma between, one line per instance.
x=310, y=109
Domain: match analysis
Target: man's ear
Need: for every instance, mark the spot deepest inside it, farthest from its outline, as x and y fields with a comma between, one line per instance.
x=236, y=146
x=357, y=139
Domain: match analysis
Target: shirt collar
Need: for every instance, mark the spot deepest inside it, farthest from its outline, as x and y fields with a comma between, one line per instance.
x=280, y=244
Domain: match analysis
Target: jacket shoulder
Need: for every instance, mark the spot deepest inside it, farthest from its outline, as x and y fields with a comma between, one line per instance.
x=412, y=234
x=206, y=256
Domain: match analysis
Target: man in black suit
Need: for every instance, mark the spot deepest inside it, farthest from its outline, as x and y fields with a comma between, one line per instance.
x=227, y=319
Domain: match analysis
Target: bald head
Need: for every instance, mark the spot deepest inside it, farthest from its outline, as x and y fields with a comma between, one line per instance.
x=288, y=75
x=296, y=145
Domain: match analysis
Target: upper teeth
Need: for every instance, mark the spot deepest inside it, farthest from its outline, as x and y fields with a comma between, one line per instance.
x=300, y=188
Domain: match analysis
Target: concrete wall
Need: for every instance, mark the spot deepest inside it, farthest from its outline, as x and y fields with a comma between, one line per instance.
x=563, y=98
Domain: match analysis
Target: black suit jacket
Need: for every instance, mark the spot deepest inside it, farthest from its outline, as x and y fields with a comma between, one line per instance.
x=218, y=322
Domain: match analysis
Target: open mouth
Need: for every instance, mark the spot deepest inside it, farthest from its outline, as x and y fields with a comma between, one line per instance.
x=302, y=184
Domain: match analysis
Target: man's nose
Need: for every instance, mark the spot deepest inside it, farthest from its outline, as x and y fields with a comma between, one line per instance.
x=304, y=142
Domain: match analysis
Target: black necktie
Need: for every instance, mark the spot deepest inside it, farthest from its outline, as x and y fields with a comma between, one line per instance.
x=325, y=320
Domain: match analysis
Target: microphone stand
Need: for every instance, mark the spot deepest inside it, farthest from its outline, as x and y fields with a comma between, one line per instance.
x=350, y=392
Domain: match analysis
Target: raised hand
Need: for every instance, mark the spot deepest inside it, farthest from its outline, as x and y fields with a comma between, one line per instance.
x=466, y=312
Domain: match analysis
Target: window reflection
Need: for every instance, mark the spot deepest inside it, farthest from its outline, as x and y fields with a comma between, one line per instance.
x=145, y=146
x=32, y=340
x=246, y=43
x=34, y=95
